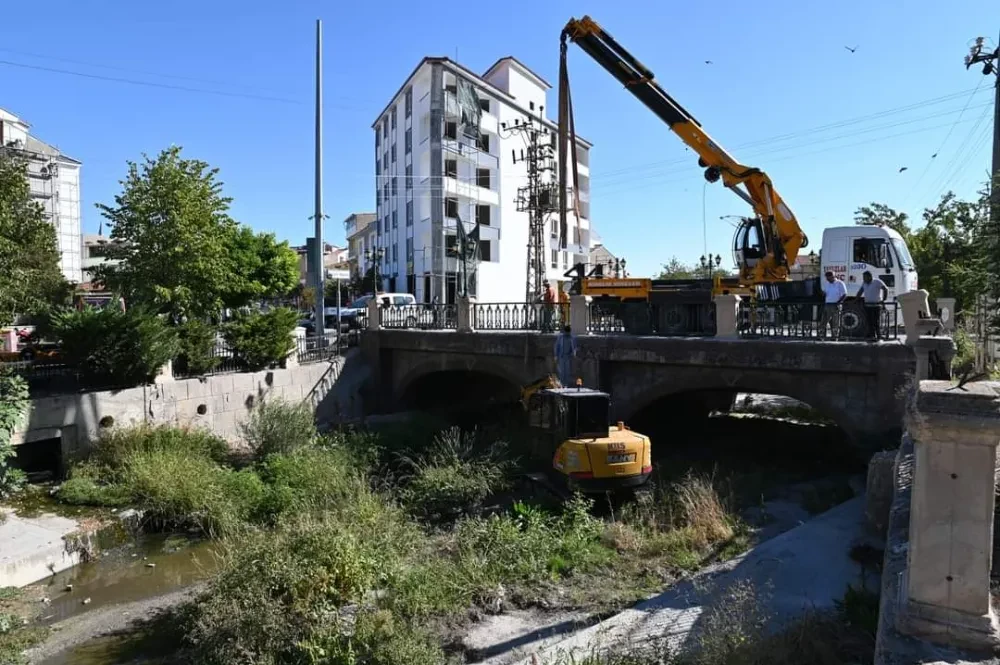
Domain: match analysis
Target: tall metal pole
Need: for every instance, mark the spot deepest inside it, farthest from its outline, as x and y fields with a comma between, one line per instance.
x=318, y=212
x=995, y=180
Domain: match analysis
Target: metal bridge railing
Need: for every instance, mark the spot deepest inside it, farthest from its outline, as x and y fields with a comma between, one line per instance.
x=851, y=321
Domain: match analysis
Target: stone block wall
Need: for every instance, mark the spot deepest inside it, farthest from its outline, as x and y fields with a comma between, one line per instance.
x=217, y=403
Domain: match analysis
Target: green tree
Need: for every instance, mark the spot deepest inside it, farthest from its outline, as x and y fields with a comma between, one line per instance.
x=29, y=261
x=675, y=269
x=13, y=404
x=174, y=236
x=881, y=214
x=262, y=267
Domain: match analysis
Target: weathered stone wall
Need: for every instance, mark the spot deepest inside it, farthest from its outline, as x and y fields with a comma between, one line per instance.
x=217, y=403
x=859, y=385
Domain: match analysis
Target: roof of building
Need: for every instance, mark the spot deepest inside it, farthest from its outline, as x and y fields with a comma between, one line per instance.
x=520, y=65
x=489, y=87
x=43, y=148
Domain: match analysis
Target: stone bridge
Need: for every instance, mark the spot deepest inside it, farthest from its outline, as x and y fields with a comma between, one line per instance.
x=857, y=385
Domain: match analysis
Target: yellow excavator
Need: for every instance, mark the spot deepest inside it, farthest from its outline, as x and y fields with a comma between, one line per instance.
x=588, y=455
x=765, y=245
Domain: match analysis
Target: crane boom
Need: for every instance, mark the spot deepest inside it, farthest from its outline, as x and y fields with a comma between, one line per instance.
x=766, y=244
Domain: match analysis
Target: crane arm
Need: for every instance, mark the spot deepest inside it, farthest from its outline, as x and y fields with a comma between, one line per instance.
x=782, y=236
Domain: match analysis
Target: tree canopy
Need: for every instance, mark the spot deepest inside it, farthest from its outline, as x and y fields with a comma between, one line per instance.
x=29, y=258
x=179, y=251
x=677, y=269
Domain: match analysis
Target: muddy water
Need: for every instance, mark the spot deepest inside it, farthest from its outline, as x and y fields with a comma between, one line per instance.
x=151, y=567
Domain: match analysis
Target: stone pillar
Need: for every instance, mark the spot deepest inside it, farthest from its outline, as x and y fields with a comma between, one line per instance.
x=934, y=356
x=166, y=374
x=878, y=489
x=298, y=337
x=579, y=314
x=463, y=313
x=917, y=315
x=946, y=313
x=946, y=587
x=374, y=312
x=10, y=340
x=727, y=309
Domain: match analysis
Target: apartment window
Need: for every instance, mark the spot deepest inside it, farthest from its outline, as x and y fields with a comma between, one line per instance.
x=451, y=168
x=484, y=104
x=409, y=213
x=452, y=88
x=394, y=253
x=378, y=166
x=385, y=191
x=450, y=245
x=408, y=141
x=484, y=142
x=576, y=235
x=554, y=226
x=385, y=223
x=392, y=151
x=392, y=116
x=451, y=207
x=409, y=176
x=531, y=106
x=555, y=258
x=565, y=259
x=585, y=209
x=484, y=250
x=408, y=104
x=409, y=249
x=378, y=138
x=395, y=186
x=483, y=215
x=385, y=128
x=451, y=130
x=394, y=219
x=483, y=178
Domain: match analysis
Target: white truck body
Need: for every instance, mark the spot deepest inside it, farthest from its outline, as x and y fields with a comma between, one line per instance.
x=849, y=251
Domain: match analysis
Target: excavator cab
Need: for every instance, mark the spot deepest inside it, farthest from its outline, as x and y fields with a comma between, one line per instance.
x=588, y=454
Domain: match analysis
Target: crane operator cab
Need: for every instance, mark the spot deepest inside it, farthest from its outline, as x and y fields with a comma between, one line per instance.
x=588, y=454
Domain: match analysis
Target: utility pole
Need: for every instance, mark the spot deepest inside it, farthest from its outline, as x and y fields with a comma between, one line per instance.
x=538, y=198
x=318, y=212
x=990, y=60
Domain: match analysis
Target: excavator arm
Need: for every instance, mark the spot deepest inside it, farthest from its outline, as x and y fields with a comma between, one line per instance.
x=766, y=244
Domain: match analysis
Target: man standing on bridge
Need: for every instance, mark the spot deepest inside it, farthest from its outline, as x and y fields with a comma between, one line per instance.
x=835, y=292
x=875, y=292
x=565, y=351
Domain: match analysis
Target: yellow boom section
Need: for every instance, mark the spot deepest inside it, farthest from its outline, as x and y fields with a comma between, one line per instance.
x=782, y=237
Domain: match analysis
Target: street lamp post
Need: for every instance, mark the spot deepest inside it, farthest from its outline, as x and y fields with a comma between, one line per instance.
x=374, y=257
x=710, y=263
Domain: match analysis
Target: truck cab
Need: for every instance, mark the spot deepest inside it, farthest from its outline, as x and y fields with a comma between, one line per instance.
x=849, y=251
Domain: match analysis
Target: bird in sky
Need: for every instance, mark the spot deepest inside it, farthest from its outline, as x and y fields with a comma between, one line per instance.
x=903, y=169
x=708, y=62
x=852, y=50
x=934, y=155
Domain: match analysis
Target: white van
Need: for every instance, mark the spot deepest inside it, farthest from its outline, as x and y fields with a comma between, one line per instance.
x=849, y=251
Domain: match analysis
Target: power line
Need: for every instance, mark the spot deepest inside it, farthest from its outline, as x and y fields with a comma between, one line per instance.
x=819, y=128
x=127, y=70
x=151, y=84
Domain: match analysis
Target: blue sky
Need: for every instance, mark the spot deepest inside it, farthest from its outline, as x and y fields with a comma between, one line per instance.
x=779, y=69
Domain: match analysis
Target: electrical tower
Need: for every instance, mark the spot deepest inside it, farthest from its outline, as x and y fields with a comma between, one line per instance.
x=539, y=198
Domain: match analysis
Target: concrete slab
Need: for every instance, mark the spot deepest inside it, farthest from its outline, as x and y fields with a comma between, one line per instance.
x=33, y=548
x=807, y=568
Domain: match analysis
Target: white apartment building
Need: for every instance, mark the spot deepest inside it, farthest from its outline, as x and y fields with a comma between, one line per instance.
x=54, y=179
x=359, y=229
x=429, y=173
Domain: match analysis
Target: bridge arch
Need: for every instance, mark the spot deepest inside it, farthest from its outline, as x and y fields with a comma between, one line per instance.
x=447, y=381
x=819, y=395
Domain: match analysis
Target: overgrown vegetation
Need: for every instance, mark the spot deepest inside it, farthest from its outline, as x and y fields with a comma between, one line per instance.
x=13, y=402
x=16, y=635
x=109, y=347
x=364, y=547
x=259, y=340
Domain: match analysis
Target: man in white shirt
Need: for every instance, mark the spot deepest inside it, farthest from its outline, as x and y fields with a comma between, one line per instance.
x=874, y=292
x=835, y=291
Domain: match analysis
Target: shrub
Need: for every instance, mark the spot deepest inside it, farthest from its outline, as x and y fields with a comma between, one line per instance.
x=307, y=480
x=116, y=446
x=454, y=475
x=84, y=490
x=259, y=340
x=13, y=403
x=111, y=347
x=178, y=489
x=197, y=345
x=278, y=427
